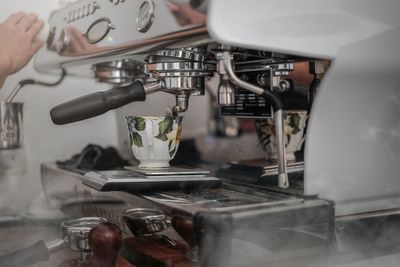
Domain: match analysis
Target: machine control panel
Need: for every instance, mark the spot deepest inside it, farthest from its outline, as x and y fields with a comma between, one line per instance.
x=81, y=12
x=86, y=28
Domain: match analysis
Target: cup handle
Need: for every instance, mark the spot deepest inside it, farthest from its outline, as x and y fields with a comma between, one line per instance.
x=301, y=142
x=304, y=124
x=149, y=132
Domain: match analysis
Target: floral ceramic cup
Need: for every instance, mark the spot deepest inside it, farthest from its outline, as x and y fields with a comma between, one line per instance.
x=154, y=140
x=294, y=125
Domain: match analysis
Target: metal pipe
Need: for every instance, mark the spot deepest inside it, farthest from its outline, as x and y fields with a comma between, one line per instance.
x=150, y=88
x=236, y=80
x=283, y=180
x=55, y=246
x=22, y=83
x=226, y=94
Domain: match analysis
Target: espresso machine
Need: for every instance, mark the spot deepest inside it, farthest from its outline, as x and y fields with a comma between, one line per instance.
x=243, y=214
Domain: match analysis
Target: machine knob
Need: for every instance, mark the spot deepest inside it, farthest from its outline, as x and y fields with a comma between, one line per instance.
x=145, y=16
x=284, y=86
x=63, y=41
x=50, y=38
x=99, y=30
x=105, y=241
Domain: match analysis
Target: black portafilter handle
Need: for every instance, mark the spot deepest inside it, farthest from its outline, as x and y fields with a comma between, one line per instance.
x=95, y=104
x=26, y=257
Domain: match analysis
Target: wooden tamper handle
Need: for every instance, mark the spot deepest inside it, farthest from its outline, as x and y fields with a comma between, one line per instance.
x=184, y=227
x=105, y=241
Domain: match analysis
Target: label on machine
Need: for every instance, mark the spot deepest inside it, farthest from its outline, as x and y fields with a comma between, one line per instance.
x=251, y=105
x=248, y=104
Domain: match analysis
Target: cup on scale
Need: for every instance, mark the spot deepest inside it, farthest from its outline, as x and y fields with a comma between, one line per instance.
x=295, y=122
x=154, y=140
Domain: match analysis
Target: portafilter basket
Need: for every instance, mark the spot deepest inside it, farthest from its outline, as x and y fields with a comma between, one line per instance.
x=75, y=232
x=144, y=222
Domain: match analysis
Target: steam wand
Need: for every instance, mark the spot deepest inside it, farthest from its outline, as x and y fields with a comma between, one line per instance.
x=227, y=69
x=22, y=83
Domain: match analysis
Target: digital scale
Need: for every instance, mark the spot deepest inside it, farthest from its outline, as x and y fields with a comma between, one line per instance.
x=134, y=179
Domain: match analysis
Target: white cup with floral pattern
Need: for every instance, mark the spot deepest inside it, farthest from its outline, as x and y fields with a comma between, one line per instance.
x=294, y=125
x=154, y=140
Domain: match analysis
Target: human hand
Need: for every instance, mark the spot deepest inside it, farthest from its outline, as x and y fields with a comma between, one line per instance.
x=17, y=41
x=186, y=15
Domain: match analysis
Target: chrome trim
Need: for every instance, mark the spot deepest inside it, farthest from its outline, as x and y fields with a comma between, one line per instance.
x=143, y=222
x=109, y=28
x=178, y=66
x=149, y=21
x=76, y=231
x=63, y=41
x=283, y=179
x=236, y=80
x=177, y=85
x=119, y=71
x=360, y=216
x=180, y=39
x=192, y=54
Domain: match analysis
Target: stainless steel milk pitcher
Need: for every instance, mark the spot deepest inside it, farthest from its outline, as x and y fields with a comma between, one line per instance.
x=11, y=134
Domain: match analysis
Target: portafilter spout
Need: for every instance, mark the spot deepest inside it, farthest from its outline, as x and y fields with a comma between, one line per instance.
x=183, y=72
x=23, y=83
x=182, y=104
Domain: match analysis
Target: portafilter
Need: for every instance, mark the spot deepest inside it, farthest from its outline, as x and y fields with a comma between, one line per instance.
x=147, y=223
x=75, y=233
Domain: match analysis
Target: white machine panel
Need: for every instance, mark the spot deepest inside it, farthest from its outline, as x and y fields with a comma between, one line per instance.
x=353, y=140
x=315, y=28
x=353, y=143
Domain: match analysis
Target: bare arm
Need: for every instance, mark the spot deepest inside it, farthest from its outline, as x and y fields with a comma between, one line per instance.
x=17, y=42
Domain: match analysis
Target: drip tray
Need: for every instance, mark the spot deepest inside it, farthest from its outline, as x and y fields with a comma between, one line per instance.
x=229, y=198
x=263, y=168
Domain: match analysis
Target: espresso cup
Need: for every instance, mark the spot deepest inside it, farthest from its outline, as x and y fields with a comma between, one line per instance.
x=294, y=125
x=154, y=140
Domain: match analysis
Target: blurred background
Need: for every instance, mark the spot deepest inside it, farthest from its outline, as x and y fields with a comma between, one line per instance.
x=43, y=141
